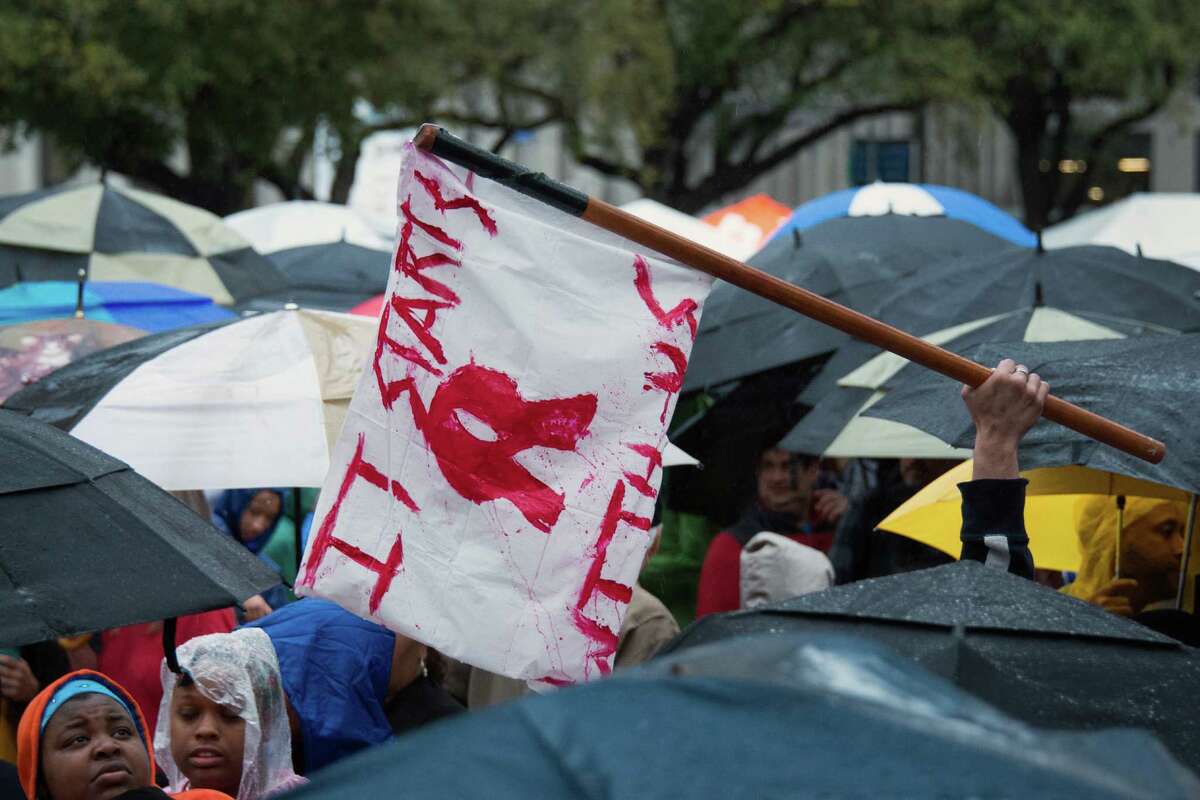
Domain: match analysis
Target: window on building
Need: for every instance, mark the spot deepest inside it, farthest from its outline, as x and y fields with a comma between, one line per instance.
x=875, y=160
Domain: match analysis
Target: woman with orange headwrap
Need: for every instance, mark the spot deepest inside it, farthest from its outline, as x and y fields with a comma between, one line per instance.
x=83, y=737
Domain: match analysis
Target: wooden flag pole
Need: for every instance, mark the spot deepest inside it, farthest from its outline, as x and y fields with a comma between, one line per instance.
x=445, y=145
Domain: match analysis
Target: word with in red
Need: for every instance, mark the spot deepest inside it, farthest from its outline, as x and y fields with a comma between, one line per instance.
x=602, y=640
x=386, y=570
x=684, y=312
x=419, y=314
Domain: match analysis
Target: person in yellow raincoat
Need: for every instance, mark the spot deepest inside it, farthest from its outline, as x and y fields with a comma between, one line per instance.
x=1151, y=551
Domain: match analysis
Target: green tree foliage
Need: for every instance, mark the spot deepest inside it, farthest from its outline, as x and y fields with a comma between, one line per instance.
x=1069, y=79
x=722, y=91
x=689, y=99
x=197, y=97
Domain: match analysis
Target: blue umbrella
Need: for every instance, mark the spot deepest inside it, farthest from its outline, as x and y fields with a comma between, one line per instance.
x=781, y=716
x=920, y=199
x=147, y=306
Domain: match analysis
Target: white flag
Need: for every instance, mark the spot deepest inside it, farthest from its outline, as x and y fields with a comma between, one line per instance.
x=492, y=489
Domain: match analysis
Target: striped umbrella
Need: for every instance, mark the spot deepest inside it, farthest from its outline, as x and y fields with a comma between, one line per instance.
x=910, y=199
x=254, y=402
x=124, y=234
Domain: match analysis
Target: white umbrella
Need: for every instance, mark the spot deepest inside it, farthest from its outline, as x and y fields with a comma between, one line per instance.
x=1162, y=225
x=255, y=402
x=300, y=223
x=690, y=227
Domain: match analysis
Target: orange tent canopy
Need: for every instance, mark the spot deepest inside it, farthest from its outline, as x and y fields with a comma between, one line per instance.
x=753, y=219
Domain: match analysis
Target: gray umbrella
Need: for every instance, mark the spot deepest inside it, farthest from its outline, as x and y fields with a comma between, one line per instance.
x=783, y=716
x=89, y=544
x=1151, y=384
x=1041, y=656
x=1122, y=294
x=854, y=260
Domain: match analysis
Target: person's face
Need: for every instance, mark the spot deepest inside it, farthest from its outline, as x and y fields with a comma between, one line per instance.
x=1152, y=549
x=260, y=515
x=91, y=751
x=207, y=741
x=916, y=472
x=780, y=487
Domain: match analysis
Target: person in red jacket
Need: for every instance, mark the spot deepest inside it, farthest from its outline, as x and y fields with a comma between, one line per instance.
x=786, y=504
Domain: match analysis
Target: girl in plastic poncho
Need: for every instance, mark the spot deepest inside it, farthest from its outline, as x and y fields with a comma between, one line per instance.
x=223, y=723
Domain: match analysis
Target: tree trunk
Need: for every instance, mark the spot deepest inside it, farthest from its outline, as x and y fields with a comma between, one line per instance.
x=1024, y=112
x=343, y=177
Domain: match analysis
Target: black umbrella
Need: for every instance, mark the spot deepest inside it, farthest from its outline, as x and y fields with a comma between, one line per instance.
x=89, y=544
x=1045, y=658
x=854, y=260
x=1150, y=383
x=1010, y=296
x=335, y=276
x=828, y=717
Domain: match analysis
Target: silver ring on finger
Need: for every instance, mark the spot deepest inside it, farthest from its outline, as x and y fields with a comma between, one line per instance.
x=1022, y=369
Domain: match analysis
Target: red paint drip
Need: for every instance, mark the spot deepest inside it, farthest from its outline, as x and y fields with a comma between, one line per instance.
x=651, y=453
x=642, y=485
x=668, y=382
x=553, y=681
x=432, y=230
x=434, y=190
x=608, y=529
x=614, y=590
x=412, y=266
x=389, y=391
x=684, y=311
x=385, y=571
x=371, y=474
x=483, y=471
x=604, y=639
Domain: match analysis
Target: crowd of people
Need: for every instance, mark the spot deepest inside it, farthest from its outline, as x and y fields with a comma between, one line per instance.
x=276, y=690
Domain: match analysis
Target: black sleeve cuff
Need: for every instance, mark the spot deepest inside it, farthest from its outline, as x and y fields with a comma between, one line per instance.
x=993, y=507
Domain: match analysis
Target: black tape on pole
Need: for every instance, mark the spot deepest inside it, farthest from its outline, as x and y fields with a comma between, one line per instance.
x=516, y=177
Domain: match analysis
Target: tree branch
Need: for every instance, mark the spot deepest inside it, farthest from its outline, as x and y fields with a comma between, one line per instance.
x=283, y=180
x=718, y=184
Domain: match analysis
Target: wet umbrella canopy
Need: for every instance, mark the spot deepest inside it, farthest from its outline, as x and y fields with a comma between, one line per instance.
x=32, y=350
x=781, y=717
x=1068, y=294
x=1043, y=657
x=125, y=234
x=854, y=260
x=88, y=544
x=336, y=276
x=1151, y=384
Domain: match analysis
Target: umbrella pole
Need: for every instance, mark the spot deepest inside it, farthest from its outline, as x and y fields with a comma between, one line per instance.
x=440, y=143
x=1120, y=531
x=82, y=279
x=297, y=515
x=1187, y=553
x=168, y=641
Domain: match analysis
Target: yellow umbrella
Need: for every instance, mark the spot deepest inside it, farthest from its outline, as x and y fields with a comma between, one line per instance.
x=933, y=515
